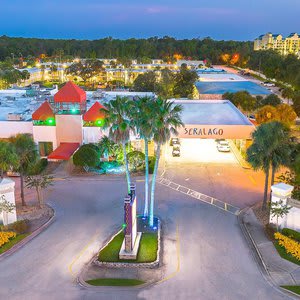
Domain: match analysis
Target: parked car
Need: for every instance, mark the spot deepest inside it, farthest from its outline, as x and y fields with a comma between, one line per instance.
x=219, y=140
x=269, y=84
x=176, y=151
x=223, y=146
x=174, y=141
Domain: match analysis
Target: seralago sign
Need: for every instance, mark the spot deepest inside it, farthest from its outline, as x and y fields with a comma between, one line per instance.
x=216, y=131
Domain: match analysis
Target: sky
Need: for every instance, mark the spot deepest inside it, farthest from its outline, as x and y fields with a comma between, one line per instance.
x=93, y=19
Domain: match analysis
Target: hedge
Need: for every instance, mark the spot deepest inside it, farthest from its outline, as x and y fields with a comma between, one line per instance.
x=291, y=233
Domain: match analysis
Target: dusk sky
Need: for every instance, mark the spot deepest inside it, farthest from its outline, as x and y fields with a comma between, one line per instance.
x=92, y=19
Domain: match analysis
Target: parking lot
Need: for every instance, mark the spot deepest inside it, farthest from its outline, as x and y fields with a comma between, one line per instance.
x=202, y=168
x=199, y=151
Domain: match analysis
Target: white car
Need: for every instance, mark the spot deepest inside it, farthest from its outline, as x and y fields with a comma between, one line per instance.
x=223, y=146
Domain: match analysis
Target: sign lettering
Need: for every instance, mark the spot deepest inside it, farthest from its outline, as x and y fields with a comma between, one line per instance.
x=203, y=131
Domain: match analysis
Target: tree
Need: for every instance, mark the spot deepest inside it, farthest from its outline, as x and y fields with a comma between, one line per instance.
x=268, y=150
x=296, y=103
x=286, y=114
x=266, y=114
x=143, y=120
x=184, y=82
x=106, y=147
x=279, y=210
x=119, y=122
x=86, y=70
x=145, y=82
x=165, y=88
x=86, y=156
x=243, y=100
x=39, y=183
x=167, y=119
x=287, y=93
x=8, y=157
x=27, y=155
x=271, y=99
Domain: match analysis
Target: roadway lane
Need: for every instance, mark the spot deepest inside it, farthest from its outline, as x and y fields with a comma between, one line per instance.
x=215, y=261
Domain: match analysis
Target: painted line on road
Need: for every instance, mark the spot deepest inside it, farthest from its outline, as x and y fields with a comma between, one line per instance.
x=70, y=267
x=172, y=275
x=204, y=198
x=252, y=179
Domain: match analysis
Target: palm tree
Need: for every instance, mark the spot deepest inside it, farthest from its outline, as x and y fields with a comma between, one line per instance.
x=143, y=120
x=106, y=146
x=167, y=119
x=287, y=93
x=117, y=119
x=27, y=156
x=270, y=149
x=8, y=157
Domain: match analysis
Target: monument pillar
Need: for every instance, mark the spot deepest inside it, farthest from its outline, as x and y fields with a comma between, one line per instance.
x=280, y=192
x=132, y=238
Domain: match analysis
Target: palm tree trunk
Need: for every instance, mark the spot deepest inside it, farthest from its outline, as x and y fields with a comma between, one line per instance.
x=146, y=178
x=264, y=206
x=272, y=179
x=22, y=189
x=126, y=167
x=151, y=216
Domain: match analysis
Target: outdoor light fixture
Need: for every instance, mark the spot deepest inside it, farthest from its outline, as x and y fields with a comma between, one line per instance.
x=73, y=110
x=50, y=121
x=100, y=122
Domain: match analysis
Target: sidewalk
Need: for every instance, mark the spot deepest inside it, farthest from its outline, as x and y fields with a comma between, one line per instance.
x=277, y=270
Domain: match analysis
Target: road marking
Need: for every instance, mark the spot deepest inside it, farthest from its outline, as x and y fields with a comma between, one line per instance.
x=172, y=275
x=252, y=179
x=204, y=198
x=80, y=254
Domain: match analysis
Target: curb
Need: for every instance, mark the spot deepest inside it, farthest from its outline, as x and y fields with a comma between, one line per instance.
x=238, y=157
x=258, y=257
x=30, y=237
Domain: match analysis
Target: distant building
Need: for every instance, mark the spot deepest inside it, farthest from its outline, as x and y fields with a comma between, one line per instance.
x=284, y=46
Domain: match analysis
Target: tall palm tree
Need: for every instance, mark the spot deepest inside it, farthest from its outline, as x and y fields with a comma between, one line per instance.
x=117, y=119
x=288, y=93
x=167, y=119
x=27, y=156
x=8, y=157
x=270, y=149
x=143, y=120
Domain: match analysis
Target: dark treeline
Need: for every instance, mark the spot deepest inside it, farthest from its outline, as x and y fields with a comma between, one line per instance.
x=164, y=48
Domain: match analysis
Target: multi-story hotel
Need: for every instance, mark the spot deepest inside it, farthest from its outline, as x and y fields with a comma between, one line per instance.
x=288, y=45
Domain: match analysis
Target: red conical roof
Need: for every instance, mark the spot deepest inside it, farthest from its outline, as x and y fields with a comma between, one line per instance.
x=43, y=113
x=70, y=92
x=94, y=113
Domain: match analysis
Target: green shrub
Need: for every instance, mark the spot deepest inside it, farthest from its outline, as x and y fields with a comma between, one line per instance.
x=19, y=227
x=135, y=159
x=151, y=164
x=87, y=155
x=291, y=233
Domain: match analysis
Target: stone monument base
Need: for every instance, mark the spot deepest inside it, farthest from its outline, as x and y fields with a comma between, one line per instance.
x=133, y=254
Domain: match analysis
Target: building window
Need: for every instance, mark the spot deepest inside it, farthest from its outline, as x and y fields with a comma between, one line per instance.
x=45, y=148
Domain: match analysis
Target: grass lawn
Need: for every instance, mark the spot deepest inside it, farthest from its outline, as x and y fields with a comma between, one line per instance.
x=114, y=282
x=147, y=250
x=285, y=255
x=11, y=243
x=293, y=288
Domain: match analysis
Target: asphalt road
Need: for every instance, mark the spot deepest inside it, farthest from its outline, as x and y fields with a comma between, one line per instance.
x=214, y=260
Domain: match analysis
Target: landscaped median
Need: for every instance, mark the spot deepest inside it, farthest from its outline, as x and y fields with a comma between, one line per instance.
x=147, y=250
x=107, y=269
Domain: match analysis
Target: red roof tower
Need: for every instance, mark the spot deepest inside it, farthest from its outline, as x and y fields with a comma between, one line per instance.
x=43, y=113
x=70, y=93
x=94, y=114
